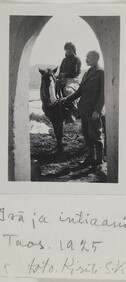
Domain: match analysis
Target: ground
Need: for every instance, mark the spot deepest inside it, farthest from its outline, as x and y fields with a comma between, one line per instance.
x=47, y=164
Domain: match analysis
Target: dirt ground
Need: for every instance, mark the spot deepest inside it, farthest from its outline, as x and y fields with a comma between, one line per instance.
x=48, y=165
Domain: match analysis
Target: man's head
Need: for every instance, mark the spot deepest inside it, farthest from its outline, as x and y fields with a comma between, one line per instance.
x=70, y=49
x=92, y=58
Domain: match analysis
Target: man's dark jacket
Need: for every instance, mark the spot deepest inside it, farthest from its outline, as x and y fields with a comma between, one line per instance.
x=91, y=91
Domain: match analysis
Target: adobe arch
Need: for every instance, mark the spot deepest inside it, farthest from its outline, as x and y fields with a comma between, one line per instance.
x=23, y=33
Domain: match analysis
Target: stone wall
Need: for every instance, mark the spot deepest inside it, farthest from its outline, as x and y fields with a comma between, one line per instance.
x=23, y=33
x=107, y=30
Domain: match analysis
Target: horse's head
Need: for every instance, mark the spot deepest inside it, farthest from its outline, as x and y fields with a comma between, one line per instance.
x=48, y=71
x=48, y=83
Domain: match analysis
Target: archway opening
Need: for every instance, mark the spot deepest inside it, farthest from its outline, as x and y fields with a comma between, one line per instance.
x=48, y=52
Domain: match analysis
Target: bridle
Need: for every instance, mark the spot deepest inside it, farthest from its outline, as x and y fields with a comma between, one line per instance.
x=49, y=82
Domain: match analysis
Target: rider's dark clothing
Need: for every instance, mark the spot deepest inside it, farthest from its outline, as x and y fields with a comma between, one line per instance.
x=71, y=66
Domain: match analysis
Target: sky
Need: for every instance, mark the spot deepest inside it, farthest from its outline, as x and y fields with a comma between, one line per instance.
x=49, y=46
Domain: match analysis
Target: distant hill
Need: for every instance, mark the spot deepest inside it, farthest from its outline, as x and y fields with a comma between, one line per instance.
x=35, y=77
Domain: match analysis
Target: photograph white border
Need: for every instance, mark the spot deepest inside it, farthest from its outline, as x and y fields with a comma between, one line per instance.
x=56, y=187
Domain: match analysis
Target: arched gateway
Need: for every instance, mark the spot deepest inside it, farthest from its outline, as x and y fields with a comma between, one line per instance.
x=23, y=32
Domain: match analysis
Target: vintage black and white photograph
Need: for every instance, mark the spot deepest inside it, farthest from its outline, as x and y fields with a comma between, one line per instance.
x=64, y=98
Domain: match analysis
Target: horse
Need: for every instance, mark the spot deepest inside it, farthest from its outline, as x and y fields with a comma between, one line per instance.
x=50, y=94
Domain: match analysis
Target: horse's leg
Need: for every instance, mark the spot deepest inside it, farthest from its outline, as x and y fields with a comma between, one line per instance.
x=58, y=130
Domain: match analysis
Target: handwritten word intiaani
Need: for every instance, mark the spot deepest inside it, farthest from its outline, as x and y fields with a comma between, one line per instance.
x=81, y=218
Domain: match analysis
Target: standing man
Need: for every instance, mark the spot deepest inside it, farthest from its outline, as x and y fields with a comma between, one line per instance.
x=69, y=71
x=91, y=93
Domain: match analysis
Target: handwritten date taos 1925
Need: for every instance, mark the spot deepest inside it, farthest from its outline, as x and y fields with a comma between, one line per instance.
x=14, y=240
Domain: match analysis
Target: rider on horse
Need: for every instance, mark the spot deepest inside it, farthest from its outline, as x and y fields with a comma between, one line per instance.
x=70, y=69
